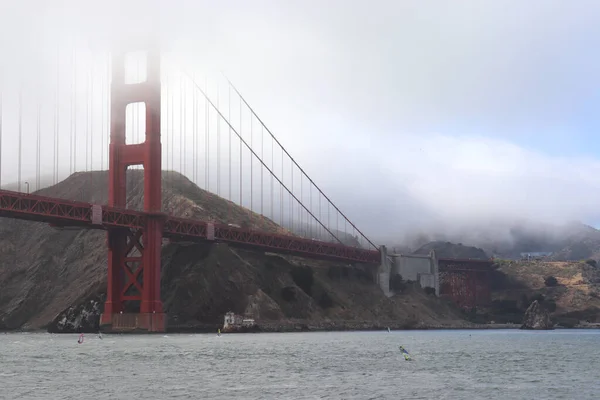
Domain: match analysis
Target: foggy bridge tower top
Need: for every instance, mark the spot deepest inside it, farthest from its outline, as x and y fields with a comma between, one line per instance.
x=147, y=153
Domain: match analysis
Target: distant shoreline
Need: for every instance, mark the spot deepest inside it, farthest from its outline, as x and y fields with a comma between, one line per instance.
x=330, y=326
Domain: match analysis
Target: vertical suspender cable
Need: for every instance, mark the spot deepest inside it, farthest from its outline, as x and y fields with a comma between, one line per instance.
x=0, y=137
x=172, y=136
x=262, y=155
x=300, y=208
x=20, y=135
x=218, y=147
x=281, y=194
x=180, y=125
x=167, y=131
x=251, y=170
x=102, y=110
x=241, y=156
x=1, y=116
x=272, y=169
x=229, y=117
x=56, y=117
x=184, y=130
x=74, y=155
x=291, y=199
x=87, y=121
x=194, y=138
x=310, y=202
x=206, y=140
x=38, y=148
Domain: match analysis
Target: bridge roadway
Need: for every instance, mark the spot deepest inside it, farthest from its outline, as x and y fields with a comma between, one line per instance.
x=62, y=213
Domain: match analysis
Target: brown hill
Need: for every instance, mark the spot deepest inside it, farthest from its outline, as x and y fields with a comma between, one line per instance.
x=575, y=297
x=57, y=278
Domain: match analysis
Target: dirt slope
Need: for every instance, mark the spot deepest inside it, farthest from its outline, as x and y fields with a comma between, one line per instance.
x=58, y=277
x=577, y=294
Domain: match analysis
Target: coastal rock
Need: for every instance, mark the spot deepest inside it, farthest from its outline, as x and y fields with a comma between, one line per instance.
x=261, y=306
x=536, y=318
x=85, y=317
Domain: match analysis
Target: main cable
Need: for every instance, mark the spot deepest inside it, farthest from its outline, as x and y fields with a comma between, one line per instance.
x=300, y=168
x=255, y=155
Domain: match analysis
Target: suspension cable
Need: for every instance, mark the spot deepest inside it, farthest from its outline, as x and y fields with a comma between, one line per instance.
x=255, y=155
x=299, y=167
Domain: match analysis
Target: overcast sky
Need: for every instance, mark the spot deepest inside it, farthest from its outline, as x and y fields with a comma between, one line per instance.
x=406, y=113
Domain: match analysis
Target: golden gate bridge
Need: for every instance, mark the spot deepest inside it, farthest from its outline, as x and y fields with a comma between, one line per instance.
x=141, y=110
x=144, y=112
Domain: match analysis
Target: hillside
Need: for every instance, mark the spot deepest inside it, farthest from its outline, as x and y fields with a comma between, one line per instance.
x=575, y=298
x=451, y=250
x=57, y=278
x=566, y=242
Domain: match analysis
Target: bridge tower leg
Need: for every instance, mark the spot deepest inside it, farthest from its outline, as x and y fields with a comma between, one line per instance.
x=133, y=301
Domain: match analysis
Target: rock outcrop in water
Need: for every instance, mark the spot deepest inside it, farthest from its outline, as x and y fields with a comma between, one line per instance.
x=84, y=317
x=536, y=318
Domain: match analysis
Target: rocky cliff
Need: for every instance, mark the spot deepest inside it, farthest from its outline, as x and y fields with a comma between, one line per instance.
x=536, y=317
x=57, y=278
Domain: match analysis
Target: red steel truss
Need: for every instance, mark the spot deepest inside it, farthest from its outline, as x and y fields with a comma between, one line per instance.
x=466, y=282
x=177, y=228
x=69, y=213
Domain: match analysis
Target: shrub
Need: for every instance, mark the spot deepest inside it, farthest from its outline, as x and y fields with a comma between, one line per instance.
x=430, y=291
x=505, y=306
x=539, y=297
x=550, y=281
x=591, y=263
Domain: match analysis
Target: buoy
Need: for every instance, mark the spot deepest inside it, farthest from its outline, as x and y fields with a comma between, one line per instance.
x=80, y=340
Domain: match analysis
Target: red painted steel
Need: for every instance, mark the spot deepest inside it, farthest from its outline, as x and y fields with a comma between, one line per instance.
x=136, y=254
x=70, y=213
x=465, y=281
x=177, y=228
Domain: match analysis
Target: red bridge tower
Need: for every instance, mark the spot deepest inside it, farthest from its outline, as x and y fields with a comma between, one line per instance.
x=133, y=300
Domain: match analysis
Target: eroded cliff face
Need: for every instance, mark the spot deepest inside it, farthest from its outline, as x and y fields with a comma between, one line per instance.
x=57, y=278
x=536, y=318
x=201, y=282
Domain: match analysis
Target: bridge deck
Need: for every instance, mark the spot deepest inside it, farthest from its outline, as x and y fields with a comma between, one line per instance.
x=61, y=212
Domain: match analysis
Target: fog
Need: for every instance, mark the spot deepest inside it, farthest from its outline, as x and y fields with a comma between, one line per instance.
x=413, y=117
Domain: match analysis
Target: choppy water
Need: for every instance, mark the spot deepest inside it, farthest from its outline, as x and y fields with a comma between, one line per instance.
x=351, y=365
